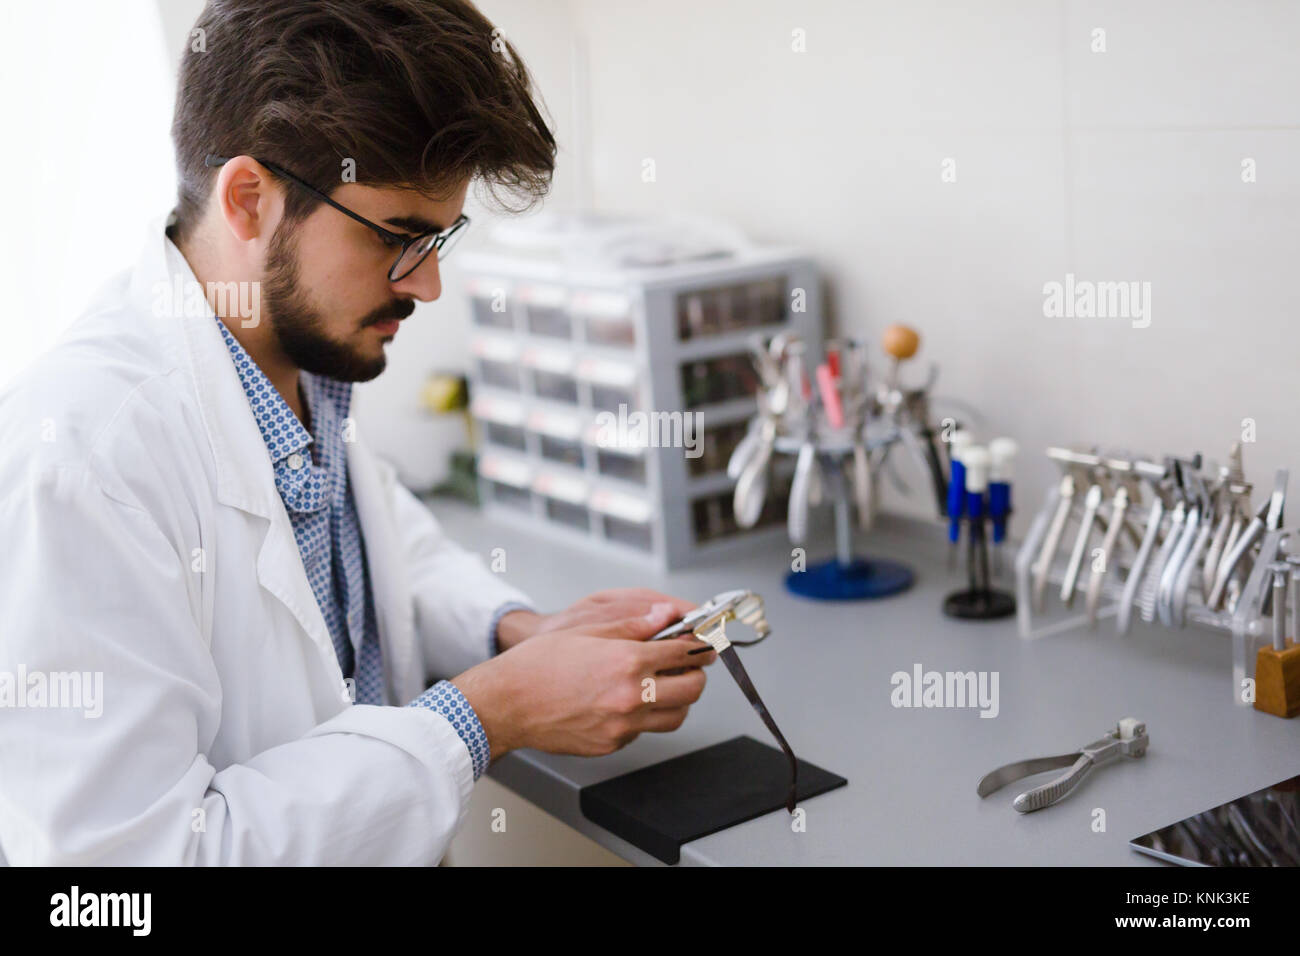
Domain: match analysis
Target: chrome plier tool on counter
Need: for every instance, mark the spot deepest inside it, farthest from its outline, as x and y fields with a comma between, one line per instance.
x=708, y=623
x=1128, y=739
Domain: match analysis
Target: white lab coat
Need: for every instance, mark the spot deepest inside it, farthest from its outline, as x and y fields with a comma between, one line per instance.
x=142, y=537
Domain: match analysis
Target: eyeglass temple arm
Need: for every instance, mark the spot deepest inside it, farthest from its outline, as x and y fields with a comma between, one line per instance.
x=211, y=160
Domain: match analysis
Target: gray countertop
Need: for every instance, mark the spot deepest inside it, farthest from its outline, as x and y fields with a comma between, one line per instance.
x=826, y=676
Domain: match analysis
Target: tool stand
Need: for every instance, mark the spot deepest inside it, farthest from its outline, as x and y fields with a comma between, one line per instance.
x=1244, y=621
x=844, y=577
x=979, y=601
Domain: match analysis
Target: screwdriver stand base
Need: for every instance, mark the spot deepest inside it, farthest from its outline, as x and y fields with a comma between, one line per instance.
x=861, y=579
x=1277, y=680
x=978, y=601
x=979, y=605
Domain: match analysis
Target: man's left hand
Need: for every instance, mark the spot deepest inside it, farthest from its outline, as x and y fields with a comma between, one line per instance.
x=603, y=607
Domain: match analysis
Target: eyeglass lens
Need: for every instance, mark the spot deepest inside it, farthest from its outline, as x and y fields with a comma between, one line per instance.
x=416, y=251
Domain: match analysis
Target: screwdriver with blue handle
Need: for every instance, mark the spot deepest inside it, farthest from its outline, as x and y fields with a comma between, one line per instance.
x=1002, y=455
x=956, y=492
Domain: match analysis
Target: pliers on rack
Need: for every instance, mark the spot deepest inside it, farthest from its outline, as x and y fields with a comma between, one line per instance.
x=1098, y=491
x=1233, y=509
x=1125, y=497
x=1178, y=516
x=1267, y=518
x=1171, y=594
x=1128, y=739
x=1162, y=496
x=1073, y=479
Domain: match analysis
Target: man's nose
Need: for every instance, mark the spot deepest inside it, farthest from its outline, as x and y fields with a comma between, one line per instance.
x=425, y=283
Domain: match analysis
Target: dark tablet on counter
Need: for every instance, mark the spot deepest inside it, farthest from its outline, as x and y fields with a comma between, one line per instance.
x=1259, y=829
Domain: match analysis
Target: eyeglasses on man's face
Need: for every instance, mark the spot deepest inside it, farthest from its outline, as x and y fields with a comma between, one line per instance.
x=412, y=249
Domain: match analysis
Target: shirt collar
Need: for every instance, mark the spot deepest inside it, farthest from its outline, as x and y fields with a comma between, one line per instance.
x=283, y=433
x=302, y=484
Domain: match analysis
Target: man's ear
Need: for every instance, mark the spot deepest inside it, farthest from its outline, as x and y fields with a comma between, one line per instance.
x=249, y=200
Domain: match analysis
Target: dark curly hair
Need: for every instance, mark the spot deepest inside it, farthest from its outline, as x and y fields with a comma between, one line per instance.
x=420, y=94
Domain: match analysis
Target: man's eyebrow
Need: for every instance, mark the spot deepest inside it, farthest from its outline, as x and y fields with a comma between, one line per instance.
x=413, y=224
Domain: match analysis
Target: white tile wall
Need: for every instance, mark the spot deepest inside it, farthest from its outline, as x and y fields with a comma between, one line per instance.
x=1201, y=64
x=1114, y=166
x=1122, y=165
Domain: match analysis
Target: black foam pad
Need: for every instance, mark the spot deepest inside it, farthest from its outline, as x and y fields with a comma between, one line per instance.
x=660, y=807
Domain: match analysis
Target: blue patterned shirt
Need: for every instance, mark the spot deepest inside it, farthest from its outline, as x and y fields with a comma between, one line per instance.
x=312, y=478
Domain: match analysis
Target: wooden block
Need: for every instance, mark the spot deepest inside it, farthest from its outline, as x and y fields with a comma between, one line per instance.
x=1277, y=680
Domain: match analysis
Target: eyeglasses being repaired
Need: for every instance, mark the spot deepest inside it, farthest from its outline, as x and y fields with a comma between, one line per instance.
x=708, y=623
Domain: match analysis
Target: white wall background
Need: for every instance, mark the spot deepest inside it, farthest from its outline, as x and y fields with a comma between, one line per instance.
x=85, y=105
x=1122, y=165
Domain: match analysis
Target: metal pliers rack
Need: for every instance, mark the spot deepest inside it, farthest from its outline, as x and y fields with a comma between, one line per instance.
x=1160, y=539
x=825, y=412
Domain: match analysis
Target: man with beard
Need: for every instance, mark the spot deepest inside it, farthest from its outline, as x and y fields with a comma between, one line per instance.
x=297, y=665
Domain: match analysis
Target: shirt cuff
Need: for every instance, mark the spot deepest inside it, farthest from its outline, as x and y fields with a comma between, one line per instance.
x=493, y=647
x=446, y=698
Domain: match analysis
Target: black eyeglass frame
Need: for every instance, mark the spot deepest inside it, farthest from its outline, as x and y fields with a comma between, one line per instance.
x=404, y=241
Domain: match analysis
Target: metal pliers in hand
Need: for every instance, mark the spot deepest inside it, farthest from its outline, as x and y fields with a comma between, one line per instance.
x=708, y=623
x=1128, y=739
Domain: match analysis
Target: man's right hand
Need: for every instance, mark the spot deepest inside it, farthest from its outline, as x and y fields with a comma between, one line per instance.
x=577, y=692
